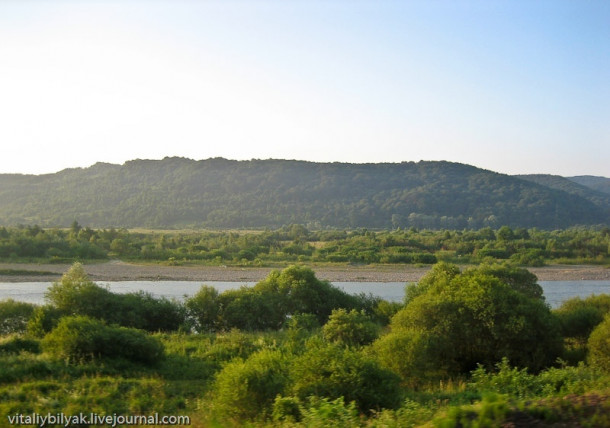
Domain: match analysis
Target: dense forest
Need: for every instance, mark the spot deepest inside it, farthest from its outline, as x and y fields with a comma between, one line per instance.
x=220, y=193
x=477, y=347
x=296, y=244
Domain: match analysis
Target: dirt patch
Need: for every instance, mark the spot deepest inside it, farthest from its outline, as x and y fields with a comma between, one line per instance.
x=121, y=271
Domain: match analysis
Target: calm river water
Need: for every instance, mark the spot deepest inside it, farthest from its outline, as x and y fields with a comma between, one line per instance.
x=33, y=292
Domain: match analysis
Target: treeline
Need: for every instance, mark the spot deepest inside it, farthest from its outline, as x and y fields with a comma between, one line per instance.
x=468, y=348
x=221, y=193
x=295, y=243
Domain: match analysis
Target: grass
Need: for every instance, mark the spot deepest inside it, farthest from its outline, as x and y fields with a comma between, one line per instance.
x=32, y=381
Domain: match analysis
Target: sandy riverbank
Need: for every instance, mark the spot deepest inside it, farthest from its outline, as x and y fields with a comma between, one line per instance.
x=120, y=271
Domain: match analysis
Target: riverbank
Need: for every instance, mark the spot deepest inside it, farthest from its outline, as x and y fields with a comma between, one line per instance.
x=121, y=271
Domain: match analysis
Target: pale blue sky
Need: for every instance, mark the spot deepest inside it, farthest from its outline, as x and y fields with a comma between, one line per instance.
x=511, y=86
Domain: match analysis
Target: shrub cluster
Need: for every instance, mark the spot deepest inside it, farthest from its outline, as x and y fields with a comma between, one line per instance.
x=79, y=338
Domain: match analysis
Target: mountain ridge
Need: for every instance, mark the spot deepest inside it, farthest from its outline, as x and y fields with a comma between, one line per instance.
x=223, y=193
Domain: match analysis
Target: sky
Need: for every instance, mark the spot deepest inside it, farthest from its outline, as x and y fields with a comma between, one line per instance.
x=516, y=87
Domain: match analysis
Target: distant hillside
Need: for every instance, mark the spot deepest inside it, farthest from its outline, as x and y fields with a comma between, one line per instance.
x=220, y=193
x=601, y=184
x=569, y=185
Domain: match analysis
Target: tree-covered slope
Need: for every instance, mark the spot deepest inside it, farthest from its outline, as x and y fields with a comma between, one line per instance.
x=601, y=184
x=178, y=192
x=573, y=186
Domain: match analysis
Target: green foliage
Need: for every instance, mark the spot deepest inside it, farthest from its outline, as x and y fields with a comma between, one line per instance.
x=518, y=279
x=490, y=412
x=203, y=309
x=212, y=193
x=599, y=345
x=15, y=344
x=80, y=339
x=247, y=388
x=330, y=371
x=285, y=246
x=578, y=317
x=76, y=294
x=456, y=321
x=14, y=316
x=270, y=303
x=304, y=293
x=43, y=320
x=351, y=328
x=324, y=412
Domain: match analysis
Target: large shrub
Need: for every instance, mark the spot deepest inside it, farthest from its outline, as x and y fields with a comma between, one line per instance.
x=271, y=302
x=203, y=309
x=578, y=317
x=247, y=388
x=599, y=345
x=456, y=321
x=351, y=328
x=81, y=338
x=302, y=292
x=14, y=316
x=76, y=294
x=330, y=371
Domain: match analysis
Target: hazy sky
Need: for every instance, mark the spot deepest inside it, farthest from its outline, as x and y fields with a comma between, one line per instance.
x=511, y=86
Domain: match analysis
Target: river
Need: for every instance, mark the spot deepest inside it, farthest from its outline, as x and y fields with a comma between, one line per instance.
x=555, y=292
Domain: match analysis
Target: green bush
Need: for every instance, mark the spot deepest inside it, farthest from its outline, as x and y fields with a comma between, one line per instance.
x=330, y=371
x=15, y=344
x=43, y=320
x=81, y=338
x=351, y=328
x=454, y=321
x=75, y=294
x=247, y=388
x=578, y=317
x=203, y=309
x=14, y=316
x=599, y=345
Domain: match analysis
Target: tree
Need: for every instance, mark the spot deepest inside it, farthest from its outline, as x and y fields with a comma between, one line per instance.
x=467, y=319
x=330, y=371
x=578, y=317
x=14, y=316
x=203, y=309
x=245, y=388
x=351, y=328
x=599, y=345
x=76, y=294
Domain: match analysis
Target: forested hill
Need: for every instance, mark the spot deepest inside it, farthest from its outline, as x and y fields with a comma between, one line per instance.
x=601, y=184
x=220, y=193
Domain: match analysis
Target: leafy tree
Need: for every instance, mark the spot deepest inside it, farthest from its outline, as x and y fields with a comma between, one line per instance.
x=518, y=279
x=203, y=309
x=462, y=320
x=76, y=294
x=43, y=319
x=599, y=345
x=331, y=371
x=351, y=328
x=247, y=388
x=14, y=316
x=578, y=317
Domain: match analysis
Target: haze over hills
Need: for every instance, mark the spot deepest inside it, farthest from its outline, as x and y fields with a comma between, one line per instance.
x=221, y=193
x=601, y=184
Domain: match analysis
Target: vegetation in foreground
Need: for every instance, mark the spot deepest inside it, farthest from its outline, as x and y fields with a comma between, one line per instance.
x=296, y=244
x=477, y=347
